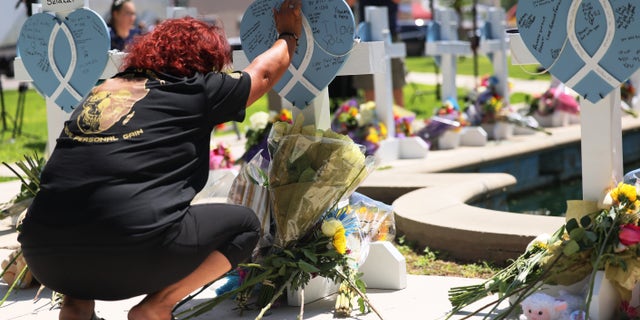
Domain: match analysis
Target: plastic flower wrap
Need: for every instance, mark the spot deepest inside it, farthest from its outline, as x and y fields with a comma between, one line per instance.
x=310, y=171
x=377, y=222
x=250, y=189
x=447, y=117
x=591, y=240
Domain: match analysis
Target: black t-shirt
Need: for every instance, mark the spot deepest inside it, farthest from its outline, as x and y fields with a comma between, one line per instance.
x=135, y=152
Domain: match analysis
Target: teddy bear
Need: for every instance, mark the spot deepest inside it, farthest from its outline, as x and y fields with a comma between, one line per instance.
x=541, y=306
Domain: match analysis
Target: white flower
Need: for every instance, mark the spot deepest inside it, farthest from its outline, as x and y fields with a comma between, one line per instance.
x=539, y=241
x=258, y=120
x=330, y=227
x=607, y=202
x=367, y=113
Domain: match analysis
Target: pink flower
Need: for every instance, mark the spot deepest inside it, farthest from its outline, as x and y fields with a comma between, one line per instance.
x=628, y=310
x=629, y=234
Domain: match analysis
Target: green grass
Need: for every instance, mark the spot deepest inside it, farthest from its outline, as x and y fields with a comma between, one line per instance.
x=434, y=263
x=34, y=127
x=465, y=67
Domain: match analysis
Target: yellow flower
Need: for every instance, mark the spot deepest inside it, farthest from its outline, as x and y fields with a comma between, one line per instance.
x=383, y=130
x=539, y=243
x=624, y=192
x=373, y=136
x=340, y=241
x=331, y=226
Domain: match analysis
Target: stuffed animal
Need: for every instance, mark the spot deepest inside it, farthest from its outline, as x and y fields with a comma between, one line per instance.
x=541, y=306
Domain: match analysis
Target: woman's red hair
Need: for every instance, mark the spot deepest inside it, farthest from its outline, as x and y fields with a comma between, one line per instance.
x=180, y=47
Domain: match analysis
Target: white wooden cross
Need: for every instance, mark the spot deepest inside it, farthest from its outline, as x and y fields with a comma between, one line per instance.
x=496, y=45
x=448, y=48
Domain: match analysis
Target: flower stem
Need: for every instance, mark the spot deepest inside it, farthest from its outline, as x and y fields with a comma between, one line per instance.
x=595, y=269
x=360, y=293
x=275, y=297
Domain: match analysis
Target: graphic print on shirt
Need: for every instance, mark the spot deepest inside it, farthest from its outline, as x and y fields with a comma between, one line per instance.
x=104, y=108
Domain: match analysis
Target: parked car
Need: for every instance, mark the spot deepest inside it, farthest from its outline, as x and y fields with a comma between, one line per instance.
x=412, y=26
x=414, y=34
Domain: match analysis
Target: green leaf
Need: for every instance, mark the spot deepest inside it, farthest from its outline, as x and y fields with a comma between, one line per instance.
x=577, y=234
x=307, y=267
x=312, y=257
x=591, y=236
x=571, y=248
x=278, y=261
x=585, y=221
x=282, y=271
x=572, y=224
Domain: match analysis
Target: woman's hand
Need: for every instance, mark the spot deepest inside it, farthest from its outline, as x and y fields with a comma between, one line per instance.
x=288, y=18
x=268, y=68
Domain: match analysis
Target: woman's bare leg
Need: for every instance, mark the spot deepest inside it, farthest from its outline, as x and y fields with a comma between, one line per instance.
x=76, y=309
x=158, y=306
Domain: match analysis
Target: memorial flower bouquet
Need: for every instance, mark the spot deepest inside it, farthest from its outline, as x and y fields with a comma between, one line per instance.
x=403, y=119
x=220, y=157
x=486, y=104
x=447, y=117
x=360, y=123
x=552, y=100
x=312, y=171
x=592, y=240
